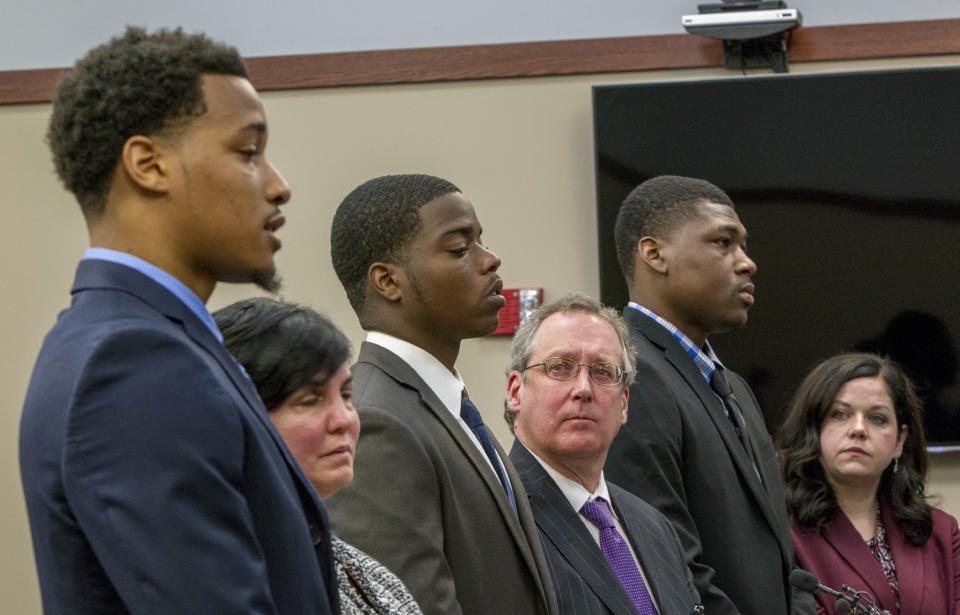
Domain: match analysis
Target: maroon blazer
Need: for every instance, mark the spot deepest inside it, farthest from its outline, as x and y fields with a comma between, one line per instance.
x=929, y=576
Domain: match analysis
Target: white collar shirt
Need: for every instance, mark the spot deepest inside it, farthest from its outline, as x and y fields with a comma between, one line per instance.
x=446, y=385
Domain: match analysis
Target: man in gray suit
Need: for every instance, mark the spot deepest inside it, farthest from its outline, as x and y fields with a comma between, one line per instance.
x=434, y=497
x=609, y=552
x=695, y=445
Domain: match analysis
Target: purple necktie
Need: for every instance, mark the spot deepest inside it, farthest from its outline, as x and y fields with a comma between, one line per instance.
x=617, y=552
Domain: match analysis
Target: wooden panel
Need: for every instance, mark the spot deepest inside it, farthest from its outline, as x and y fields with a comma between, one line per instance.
x=910, y=38
x=22, y=86
x=602, y=55
x=484, y=61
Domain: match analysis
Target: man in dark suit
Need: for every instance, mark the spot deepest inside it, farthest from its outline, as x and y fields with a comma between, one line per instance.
x=609, y=551
x=154, y=480
x=695, y=445
x=434, y=497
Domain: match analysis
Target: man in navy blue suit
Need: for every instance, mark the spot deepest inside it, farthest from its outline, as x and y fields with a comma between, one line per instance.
x=609, y=552
x=154, y=479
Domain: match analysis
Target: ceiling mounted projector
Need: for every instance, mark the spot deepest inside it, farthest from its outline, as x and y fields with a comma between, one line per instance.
x=742, y=25
x=751, y=31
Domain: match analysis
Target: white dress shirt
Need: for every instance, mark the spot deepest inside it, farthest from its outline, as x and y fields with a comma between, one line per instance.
x=447, y=385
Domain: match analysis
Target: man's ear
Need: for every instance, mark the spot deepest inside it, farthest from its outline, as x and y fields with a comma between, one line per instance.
x=626, y=405
x=514, y=380
x=650, y=253
x=386, y=279
x=145, y=163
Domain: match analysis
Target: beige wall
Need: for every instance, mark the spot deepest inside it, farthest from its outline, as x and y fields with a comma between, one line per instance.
x=521, y=150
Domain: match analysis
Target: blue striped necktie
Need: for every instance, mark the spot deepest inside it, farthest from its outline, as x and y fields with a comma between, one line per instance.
x=471, y=416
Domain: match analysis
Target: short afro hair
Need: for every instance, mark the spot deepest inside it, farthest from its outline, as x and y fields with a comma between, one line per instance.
x=137, y=83
x=281, y=345
x=656, y=208
x=375, y=222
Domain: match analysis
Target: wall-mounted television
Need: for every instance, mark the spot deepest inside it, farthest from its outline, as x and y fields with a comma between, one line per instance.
x=849, y=186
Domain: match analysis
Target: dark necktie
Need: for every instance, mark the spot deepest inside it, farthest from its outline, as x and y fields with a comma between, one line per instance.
x=471, y=416
x=720, y=386
x=618, y=555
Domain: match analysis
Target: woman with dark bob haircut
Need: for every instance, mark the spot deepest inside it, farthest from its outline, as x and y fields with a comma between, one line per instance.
x=298, y=361
x=854, y=468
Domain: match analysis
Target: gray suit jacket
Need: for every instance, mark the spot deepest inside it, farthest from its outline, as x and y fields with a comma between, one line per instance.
x=425, y=503
x=584, y=581
x=679, y=452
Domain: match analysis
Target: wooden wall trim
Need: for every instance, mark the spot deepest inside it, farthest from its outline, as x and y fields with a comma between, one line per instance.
x=602, y=55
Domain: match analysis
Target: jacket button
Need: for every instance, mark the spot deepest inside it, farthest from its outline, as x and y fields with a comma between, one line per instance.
x=316, y=534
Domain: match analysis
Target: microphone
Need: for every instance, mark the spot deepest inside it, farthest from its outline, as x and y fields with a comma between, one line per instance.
x=803, y=580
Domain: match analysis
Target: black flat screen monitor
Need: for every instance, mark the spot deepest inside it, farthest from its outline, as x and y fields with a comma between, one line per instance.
x=849, y=186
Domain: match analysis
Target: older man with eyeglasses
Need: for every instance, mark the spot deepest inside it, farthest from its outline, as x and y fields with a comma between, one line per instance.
x=571, y=365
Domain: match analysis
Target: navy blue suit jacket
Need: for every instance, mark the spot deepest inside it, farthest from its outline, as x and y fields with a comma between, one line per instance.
x=582, y=577
x=154, y=479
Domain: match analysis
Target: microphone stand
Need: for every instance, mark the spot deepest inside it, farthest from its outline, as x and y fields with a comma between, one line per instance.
x=869, y=607
x=847, y=601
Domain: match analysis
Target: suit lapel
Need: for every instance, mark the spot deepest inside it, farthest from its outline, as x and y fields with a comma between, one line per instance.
x=713, y=407
x=530, y=538
x=850, y=546
x=643, y=545
x=909, y=561
x=400, y=371
x=103, y=274
x=562, y=526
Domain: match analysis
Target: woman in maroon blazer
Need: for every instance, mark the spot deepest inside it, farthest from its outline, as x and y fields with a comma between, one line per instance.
x=854, y=467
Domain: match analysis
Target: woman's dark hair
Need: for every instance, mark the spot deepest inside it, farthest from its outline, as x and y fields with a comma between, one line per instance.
x=810, y=500
x=281, y=345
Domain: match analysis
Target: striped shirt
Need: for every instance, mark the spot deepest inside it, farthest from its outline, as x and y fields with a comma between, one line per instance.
x=704, y=358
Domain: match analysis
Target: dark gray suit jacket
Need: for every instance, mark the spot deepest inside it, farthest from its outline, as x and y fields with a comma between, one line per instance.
x=155, y=481
x=425, y=503
x=679, y=452
x=584, y=581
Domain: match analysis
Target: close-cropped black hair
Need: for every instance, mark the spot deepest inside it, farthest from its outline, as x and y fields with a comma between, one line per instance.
x=375, y=222
x=810, y=500
x=283, y=346
x=656, y=208
x=137, y=83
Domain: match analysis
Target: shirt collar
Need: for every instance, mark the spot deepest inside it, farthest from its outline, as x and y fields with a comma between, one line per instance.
x=575, y=493
x=447, y=385
x=704, y=358
x=161, y=277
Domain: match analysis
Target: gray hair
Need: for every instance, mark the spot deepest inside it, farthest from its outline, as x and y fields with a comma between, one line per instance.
x=523, y=340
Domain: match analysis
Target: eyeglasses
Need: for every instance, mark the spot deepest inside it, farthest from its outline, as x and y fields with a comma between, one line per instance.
x=562, y=368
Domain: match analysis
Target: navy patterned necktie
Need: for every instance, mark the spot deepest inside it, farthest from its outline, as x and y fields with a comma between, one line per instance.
x=731, y=406
x=471, y=416
x=618, y=555
x=720, y=386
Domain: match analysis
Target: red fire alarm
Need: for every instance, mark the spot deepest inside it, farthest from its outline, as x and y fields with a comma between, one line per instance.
x=521, y=302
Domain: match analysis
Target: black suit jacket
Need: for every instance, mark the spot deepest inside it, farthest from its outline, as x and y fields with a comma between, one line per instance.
x=584, y=581
x=154, y=479
x=425, y=503
x=679, y=452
